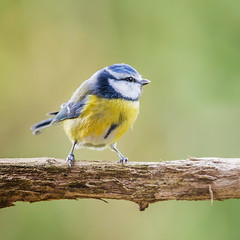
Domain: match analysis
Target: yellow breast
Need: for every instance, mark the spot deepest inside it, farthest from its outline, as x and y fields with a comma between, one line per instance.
x=102, y=121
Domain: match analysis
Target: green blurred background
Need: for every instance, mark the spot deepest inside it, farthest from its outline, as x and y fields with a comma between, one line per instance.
x=190, y=50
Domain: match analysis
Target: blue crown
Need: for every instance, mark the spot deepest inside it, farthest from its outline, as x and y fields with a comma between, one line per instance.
x=122, y=68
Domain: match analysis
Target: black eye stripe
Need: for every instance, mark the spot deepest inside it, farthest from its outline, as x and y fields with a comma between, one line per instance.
x=130, y=79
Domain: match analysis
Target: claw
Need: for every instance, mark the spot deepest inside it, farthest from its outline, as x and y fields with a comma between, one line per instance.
x=70, y=159
x=123, y=160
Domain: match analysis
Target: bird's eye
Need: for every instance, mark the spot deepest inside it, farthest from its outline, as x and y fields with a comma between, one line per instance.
x=130, y=79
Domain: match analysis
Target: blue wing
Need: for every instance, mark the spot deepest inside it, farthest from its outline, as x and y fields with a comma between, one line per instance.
x=74, y=107
x=70, y=110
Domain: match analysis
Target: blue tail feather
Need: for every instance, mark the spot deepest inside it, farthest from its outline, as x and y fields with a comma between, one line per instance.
x=40, y=125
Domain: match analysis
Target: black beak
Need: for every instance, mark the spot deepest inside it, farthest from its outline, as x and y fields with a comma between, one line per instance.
x=145, y=82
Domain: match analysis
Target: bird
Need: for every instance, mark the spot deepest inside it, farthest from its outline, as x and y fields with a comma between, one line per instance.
x=100, y=111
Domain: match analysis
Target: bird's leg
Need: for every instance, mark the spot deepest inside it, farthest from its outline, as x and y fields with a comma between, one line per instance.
x=123, y=159
x=70, y=158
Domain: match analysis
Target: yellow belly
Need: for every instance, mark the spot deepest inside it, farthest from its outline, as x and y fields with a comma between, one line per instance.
x=92, y=126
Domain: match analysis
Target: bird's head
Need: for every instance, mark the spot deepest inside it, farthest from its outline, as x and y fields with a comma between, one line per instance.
x=119, y=81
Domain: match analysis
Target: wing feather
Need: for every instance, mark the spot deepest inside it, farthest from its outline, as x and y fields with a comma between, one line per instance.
x=73, y=108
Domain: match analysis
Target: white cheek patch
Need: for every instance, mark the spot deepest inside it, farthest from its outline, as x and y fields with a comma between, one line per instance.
x=126, y=89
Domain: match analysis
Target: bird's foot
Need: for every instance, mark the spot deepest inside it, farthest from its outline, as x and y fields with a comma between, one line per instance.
x=123, y=160
x=70, y=159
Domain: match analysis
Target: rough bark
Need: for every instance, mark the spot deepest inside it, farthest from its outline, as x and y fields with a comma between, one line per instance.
x=41, y=179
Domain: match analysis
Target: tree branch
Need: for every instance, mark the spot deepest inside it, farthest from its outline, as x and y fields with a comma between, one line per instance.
x=41, y=179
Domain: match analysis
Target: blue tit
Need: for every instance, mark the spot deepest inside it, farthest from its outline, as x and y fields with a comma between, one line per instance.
x=100, y=110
